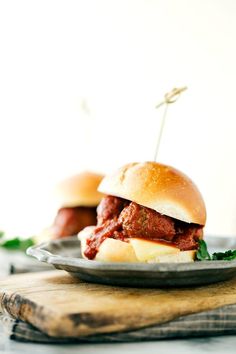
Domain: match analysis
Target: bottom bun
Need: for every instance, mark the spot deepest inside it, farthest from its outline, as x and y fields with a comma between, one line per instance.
x=82, y=236
x=116, y=251
x=136, y=250
x=181, y=257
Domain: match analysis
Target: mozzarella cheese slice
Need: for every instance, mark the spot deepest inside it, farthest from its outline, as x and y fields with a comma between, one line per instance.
x=147, y=250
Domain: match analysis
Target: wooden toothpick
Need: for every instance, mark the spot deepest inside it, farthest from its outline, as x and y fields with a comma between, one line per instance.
x=169, y=97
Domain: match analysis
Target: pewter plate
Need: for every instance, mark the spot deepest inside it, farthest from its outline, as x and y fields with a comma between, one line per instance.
x=65, y=254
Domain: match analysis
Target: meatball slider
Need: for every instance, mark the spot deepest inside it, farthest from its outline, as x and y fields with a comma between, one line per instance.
x=77, y=198
x=152, y=213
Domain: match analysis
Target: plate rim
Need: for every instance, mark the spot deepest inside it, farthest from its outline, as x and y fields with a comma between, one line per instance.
x=43, y=255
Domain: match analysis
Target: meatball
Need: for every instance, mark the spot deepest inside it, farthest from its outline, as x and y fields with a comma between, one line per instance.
x=188, y=236
x=69, y=221
x=143, y=222
x=109, y=208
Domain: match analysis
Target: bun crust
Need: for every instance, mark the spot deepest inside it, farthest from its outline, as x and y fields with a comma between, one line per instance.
x=79, y=190
x=159, y=187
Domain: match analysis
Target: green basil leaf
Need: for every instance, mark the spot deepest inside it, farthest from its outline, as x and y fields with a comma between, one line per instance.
x=202, y=252
x=18, y=243
x=224, y=256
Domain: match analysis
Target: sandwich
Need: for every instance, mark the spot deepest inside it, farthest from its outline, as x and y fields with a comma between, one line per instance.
x=152, y=213
x=77, y=199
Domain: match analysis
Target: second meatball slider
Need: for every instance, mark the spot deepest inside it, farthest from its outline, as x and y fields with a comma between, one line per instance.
x=153, y=213
x=78, y=199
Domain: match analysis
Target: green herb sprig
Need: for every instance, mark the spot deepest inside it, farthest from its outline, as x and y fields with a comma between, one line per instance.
x=203, y=254
x=16, y=243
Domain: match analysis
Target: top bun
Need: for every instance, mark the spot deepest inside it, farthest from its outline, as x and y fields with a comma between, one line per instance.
x=159, y=187
x=79, y=190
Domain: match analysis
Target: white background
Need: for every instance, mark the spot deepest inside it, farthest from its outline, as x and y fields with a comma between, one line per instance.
x=79, y=81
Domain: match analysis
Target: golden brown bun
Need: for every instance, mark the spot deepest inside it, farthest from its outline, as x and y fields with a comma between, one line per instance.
x=112, y=250
x=159, y=187
x=79, y=190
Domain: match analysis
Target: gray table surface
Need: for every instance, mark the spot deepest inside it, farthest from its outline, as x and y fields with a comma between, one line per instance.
x=216, y=345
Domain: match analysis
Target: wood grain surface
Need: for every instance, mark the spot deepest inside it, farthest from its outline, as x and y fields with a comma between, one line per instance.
x=62, y=306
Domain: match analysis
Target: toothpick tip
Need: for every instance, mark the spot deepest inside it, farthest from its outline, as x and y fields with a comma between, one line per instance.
x=172, y=96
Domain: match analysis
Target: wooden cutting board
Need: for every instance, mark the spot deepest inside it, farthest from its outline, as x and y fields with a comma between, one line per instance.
x=62, y=306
